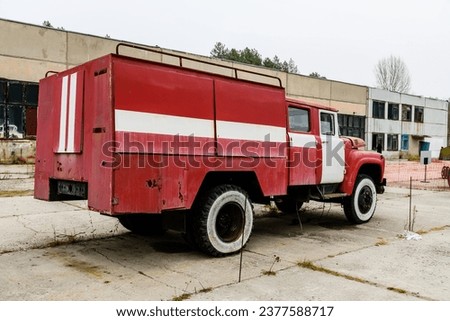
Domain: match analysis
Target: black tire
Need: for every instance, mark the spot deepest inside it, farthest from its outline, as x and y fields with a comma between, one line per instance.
x=223, y=220
x=289, y=206
x=360, y=206
x=143, y=224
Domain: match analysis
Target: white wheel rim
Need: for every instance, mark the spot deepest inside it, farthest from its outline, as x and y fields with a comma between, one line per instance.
x=365, y=199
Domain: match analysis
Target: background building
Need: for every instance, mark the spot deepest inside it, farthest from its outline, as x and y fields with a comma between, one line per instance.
x=29, y=51
x=402, y=123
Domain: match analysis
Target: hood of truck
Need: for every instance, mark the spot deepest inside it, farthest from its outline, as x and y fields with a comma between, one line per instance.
x=353, y=142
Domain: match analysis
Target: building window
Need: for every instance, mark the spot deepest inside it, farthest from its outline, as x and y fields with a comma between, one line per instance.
x=351, y=125
x=18, y=108
x=418, y=114
x=3, y=85
x=377, y=141
x=406, y=112
x=378, y=109
x=405, y=142
x=299, y=119
x=393, y=111
x=392, y=142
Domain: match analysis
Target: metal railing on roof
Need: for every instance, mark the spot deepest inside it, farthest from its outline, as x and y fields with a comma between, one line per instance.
x=236, y=71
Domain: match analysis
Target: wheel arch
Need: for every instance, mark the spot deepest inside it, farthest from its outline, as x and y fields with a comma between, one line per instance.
x=373, y=170
x=245, y=180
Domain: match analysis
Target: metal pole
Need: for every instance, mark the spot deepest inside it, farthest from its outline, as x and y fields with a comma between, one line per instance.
x=410, y=202
x=242, y=243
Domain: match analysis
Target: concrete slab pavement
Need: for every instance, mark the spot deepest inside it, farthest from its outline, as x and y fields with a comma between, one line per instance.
x=338, y=261
x=27, y=223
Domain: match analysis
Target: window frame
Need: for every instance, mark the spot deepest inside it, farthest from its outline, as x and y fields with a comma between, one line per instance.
x=376, y=111
x=392, y=144
x=299, y=129
x=332, y=131
x=421, y=113
x=406, y=108
x=392, y=115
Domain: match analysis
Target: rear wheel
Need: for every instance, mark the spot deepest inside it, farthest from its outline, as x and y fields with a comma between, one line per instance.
x=360, y=206
x=143, y=224
x=223, y=220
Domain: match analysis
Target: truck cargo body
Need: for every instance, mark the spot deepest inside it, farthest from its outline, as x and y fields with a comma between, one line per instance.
x=142, y=136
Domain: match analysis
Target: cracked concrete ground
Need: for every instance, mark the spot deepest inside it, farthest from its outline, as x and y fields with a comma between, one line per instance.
x=41, y=258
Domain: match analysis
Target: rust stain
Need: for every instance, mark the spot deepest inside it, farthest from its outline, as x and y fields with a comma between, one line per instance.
x=154, y=183
x=84, y=267
x=180, y=195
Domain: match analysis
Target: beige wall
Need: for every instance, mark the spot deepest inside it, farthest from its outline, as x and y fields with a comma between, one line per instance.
x=29, y=51
x=348, y=98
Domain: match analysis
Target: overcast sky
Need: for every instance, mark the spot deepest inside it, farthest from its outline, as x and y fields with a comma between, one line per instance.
x=340, y=39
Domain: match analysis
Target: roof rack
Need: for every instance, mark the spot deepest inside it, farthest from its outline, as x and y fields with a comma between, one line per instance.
x=236, y=71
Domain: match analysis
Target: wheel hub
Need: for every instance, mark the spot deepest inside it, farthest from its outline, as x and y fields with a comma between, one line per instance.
x=365, y=199
x=230, y=222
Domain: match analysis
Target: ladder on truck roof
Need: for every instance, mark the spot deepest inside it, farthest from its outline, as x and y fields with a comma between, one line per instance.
x=236, y=71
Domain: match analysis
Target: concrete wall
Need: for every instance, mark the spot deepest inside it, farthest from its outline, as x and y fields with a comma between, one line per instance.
x=17, y=151
x=434, y=128
x=348, y=98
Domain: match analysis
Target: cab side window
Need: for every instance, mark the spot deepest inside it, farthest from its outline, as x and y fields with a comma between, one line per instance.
x=299, y=119
x=327, y=124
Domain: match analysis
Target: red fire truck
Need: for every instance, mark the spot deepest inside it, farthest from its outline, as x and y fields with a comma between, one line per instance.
x=156, y=144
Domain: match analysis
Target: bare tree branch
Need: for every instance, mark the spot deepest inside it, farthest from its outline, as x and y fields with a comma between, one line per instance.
x=392, y=74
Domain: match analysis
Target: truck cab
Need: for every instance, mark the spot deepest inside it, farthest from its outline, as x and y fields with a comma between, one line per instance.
x=325, y=166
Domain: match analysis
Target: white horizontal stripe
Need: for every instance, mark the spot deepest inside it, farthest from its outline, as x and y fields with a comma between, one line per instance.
x=140, y=122
x=246, y=131
x=302, y=140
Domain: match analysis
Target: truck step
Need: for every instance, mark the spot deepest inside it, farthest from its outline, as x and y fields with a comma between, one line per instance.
x=331, y=196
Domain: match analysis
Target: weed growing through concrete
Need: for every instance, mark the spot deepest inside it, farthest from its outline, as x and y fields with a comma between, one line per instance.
x=397, y=290
x=182, y=297
x=203, y=290
x=311, y=266
x=433, y=229
x=381, y=242
x=64, y=238
x=270, y=271
x=16, y=193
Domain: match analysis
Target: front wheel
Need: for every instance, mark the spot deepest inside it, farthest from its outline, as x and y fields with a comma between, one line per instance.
x=360, y=206
x=223, y=220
